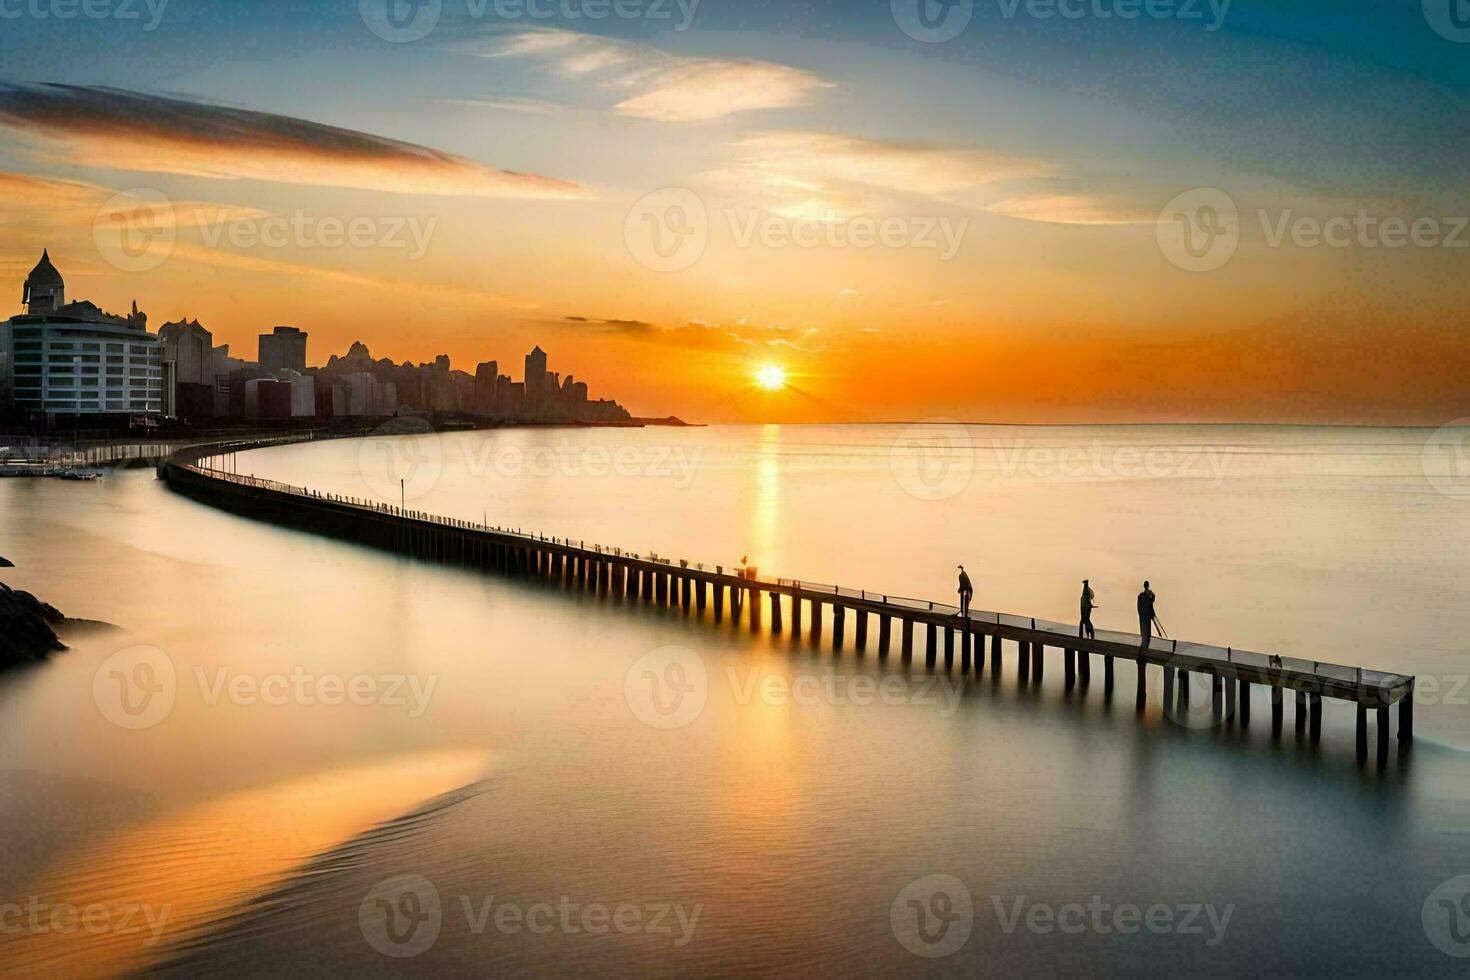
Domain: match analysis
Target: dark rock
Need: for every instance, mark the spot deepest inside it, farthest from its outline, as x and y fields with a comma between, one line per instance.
x=6, y=563
x=26, y=632
x=72, y=627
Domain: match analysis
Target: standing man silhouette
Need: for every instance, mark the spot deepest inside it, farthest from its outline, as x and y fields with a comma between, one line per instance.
x=1084, y=628
x=966, y=590
x=1146, y=617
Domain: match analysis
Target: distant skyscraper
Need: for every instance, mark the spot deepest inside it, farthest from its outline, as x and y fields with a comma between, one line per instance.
x=283, y=349
x=538, y=383
x=191, y=348
x=486, y=377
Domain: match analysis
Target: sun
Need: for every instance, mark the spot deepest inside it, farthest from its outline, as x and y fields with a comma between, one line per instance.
x=771, y=377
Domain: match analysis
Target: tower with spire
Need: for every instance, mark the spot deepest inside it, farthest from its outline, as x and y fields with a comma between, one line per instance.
x=44, y=290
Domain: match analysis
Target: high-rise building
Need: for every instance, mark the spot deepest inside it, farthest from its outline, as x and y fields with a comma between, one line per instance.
x=74, y=358
x=538, y=382
x=487, y=376
x=363, y=395
x=191, y=348
x=283, y=349
x=303, y=393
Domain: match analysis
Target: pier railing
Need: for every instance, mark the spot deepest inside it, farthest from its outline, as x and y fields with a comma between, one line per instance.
x=1057, y=633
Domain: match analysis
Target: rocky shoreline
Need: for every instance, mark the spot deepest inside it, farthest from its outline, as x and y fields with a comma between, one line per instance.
x=27, y=628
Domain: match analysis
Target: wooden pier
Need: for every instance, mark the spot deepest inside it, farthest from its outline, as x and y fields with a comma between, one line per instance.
x=1228, y=673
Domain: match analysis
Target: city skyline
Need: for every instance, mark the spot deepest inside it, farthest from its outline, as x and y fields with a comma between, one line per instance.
x=904, y=237
x=69, y=359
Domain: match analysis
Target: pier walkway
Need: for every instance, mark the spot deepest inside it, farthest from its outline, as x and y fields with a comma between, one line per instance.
x=800, y=605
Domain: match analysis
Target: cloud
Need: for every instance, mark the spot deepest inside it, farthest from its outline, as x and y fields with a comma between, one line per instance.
x=823, y=176
x=659, y=85
x=534, y=107
x=794, y=345
x=36, y=193
x=702, y=89
x=64, y=216
x=703, y=336
x=827, y=176
x=1071, y=209
x=291, y=272
x=124, y=130
x=617, y=326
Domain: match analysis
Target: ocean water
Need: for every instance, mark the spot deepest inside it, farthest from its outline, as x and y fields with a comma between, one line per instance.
x=301, y=755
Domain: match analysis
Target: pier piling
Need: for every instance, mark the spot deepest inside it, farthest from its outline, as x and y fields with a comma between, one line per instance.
x=1406, y=714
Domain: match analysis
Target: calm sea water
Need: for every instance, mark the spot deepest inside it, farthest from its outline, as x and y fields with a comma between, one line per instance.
x=346, y=752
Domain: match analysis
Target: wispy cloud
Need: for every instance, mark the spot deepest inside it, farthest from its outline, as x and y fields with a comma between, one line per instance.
x=807, y=343
x=704, y=336
x=64, y=215
x=122, y=130
x=1071, y=209
x=614, y=325
x=654, y=84
x=536, y=107
x=821, y=176
x=42, y=212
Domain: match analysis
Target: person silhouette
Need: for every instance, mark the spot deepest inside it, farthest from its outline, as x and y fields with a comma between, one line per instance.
x=1146, y=617
x=1084, y=628
x=966, y=590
